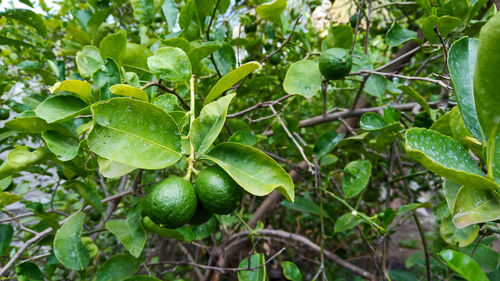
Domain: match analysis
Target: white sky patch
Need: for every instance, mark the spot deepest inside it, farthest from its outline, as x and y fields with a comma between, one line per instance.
x=16, y=4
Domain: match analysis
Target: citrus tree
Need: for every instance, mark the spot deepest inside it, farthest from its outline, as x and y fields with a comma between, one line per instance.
x=250, y=140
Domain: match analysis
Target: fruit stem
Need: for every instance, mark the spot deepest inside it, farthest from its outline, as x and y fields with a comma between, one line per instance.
x=191, y=159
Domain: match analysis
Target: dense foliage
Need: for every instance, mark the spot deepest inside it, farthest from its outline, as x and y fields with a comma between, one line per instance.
x=386, y=168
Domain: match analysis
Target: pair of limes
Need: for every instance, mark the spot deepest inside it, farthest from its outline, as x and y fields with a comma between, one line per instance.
x=174, y=201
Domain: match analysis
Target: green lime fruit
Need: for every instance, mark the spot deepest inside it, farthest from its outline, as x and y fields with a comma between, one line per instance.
x=275, y=59
x=335, y=63
x=201, y=216
x=353, y=20
x=217, y=191
x=171, y=202
x=4, y=114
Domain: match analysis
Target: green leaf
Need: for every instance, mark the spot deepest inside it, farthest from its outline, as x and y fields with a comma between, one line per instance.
x=202, y=51
x=136, y=58
x=28, y=122
x=461, y=64
x=14, y=42
x=130, y=231
x=303, y=78
x=398, y=35
x=118, y=267
x=372, y=121
x=243, y=137
x=356, y=177
x=179, y=43
x=6, y=232
x=144, y=10
x=68, y=247
x=259, y=274
x=463, y=265
x=114, y=45
x=271, y=11
x=445, y=25
x=450, y=190
x=28, y=271
x=474, y=205
x=208, y=125
x=252, y=169
x=416, y=97
x=485, y=256
x=134, y=133
x=291, y=271
x=305, y=205
x=107, y=76
x=81, y=89
x=63, y=147
x=376, y=86
x=95, y=21
x=170, y=12
x=130, y=91
x=88, y=61
x=144, y=277
x=405, y=209
x=27, y=17
x=457, y=126
x=228, y=80
x=61, y=108
x=453, y=235
x=189, y=21
x=178, y=234
x=486, y=84
x=112, y=169
x=19, y=159
x=7, y=198
x=445, y=156
x=342, y=36
x=326, y=143
x=346, y=222
x=171, y=64
x=88, y=193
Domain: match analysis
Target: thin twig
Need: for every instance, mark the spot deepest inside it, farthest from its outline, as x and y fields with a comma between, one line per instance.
x=386, y=74
x=284, y=43
x=168, y=90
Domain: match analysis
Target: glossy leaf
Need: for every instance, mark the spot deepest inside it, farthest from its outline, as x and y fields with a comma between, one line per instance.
x=303, y=78
x=6, y=232
x=416, y=97
x=271, y=11
x=457, y=126
x=372, y=121
x=200, y=52
x=68, y=246
x=117, y=267
x=463, y=265
x=405, y=209
x=485, y=256
x=114, y=45
x=88, y=61
x=342, y=36
x=107, y=76
x=327, y=142
x=346, y=222
x=19, y=159
x=171, y=64
x=252, y=169
x=257, y=262
x=243, y=137
x=486, y=84
x=305, y=205
x=376, y=86
x=63, y=147
x=445, y=25
x=461, y=64
x=134, y=133
x=450, y=190
x=474, y=205
x=398, y=35
x=356, y=177
x=28, y=271
x=291, y=271
x=7, y=198
x=230, y=79
x=189, y=21
x=81, y=89
x=170, y=12
x=136, y=58
x=445, y=156
x=130, y=231
x=461, y=236
x=209, y=124
x=88, y=193
x=177, y=234
x=28, y=122
x=27, y=17
x=112, y=169
x=130, y=91
x=144, y=10
x=61, y=108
